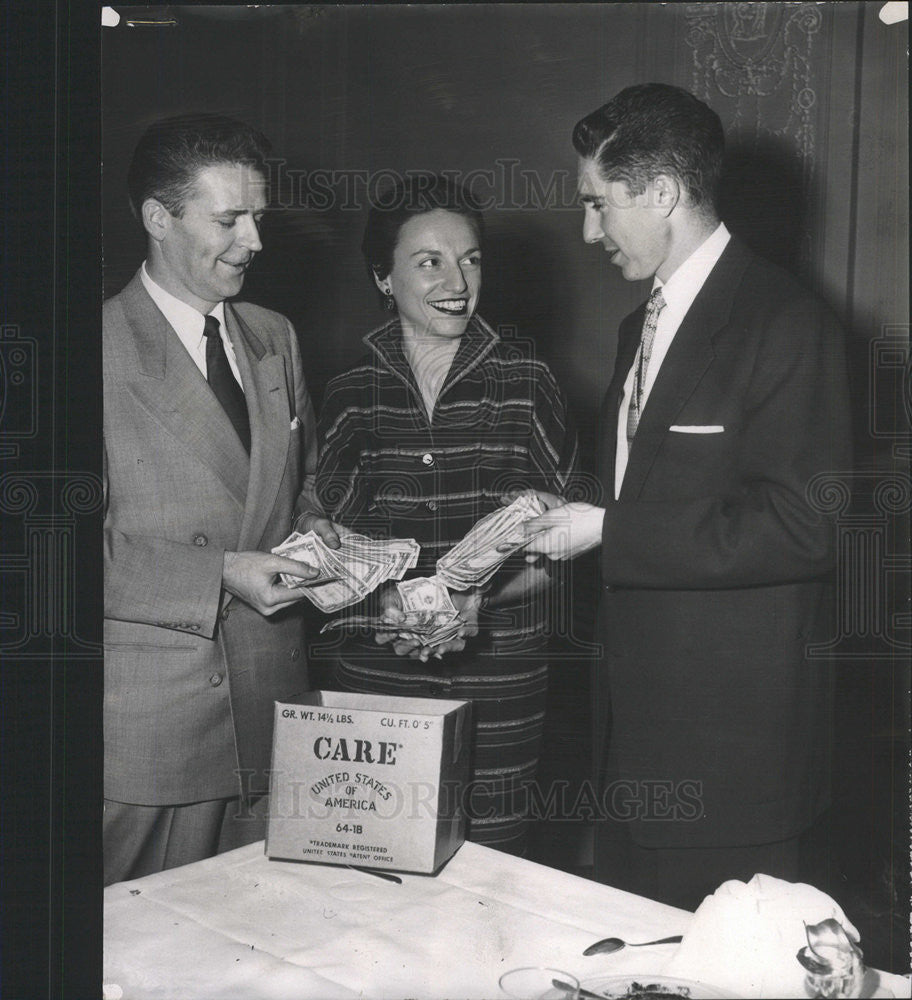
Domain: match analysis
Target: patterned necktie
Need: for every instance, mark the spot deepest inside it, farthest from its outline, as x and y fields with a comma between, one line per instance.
x=223, y=383
x=654, y=306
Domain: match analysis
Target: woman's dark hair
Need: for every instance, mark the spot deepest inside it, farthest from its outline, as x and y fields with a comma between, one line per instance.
x=172, y=152
x=651, y=129
x=416, y=194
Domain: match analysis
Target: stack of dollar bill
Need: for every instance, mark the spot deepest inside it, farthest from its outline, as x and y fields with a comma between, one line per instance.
x=349, y=573
x=430, y=616
x=473, y=561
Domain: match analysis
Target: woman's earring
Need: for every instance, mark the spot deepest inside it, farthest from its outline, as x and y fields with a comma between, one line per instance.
x=390, y=301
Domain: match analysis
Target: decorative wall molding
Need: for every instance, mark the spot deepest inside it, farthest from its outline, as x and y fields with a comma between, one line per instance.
x=760, y=57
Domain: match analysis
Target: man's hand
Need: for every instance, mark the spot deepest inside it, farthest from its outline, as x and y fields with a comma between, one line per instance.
x=329, y=531
x=564, y=532
x=252, y=577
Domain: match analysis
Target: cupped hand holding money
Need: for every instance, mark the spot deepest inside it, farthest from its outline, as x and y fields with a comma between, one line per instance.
x=442, y=640
x=419, y=618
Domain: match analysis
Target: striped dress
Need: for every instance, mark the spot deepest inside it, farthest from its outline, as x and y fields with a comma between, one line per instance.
x=500, y=423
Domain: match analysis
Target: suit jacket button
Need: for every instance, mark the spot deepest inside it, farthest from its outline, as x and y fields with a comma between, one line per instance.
x=428, y=459
x=200, y=540
x=295, y=653
x=609, y=589
x=194, y=628
x=432, y=505
x=215, y=680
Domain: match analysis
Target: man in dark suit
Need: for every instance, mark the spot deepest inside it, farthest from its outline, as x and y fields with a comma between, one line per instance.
x=209, y=450
x=728, y=399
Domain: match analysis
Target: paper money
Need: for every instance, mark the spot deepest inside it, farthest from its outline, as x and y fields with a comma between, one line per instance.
x=430, y=618
x=351, y=572
x=473, y=561
x=425, y=593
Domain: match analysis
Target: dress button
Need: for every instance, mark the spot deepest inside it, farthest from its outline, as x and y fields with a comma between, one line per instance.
x=215, y=680
x=200, y=540
x=432, y=505
x=428, y=459
x=295, y=653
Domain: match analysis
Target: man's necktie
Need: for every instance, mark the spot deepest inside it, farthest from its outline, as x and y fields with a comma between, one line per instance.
x=654, y=306
x=223, y=383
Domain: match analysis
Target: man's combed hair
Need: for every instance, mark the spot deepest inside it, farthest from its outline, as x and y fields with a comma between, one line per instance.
x=652, y=129
x=172, y=151
x=416, y=194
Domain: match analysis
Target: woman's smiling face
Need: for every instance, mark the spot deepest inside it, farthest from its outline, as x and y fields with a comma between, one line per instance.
x=436, y=274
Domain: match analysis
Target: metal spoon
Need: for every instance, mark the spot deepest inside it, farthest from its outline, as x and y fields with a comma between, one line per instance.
x=607, y=945
x=574, y=992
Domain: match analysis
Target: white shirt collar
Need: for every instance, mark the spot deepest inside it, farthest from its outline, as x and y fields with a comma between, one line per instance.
x=187, y=322
x=682, y=287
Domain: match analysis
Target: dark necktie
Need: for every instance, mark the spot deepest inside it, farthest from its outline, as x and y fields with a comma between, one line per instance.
x=223, y=383
x=654, y=306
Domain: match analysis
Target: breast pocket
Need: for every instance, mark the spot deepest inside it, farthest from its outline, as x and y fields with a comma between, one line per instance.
x=699, y=457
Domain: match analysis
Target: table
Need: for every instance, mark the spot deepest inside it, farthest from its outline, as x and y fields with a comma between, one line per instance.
x=241, y=927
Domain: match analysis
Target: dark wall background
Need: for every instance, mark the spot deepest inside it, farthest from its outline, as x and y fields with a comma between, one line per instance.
x=814, y=99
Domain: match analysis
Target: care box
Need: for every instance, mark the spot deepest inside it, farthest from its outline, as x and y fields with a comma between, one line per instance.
x=369, y=780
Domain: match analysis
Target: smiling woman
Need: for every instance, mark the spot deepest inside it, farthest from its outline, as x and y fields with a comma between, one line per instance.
x=421, y=440
x=435, y=279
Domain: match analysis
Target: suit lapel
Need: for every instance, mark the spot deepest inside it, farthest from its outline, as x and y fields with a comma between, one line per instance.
x=690, y=354
x=173, y=389
x=271, y=412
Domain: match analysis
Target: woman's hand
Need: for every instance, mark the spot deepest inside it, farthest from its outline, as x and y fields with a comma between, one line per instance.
x=467, y=603
x=329, y=531
x=388, y=604
x=550, y=500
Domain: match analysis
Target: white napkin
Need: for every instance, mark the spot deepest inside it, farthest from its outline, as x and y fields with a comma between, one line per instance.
x=745, y=936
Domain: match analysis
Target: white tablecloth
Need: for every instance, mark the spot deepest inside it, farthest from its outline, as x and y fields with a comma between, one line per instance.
x=241, y=926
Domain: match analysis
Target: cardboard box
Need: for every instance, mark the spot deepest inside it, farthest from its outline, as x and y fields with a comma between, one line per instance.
x=369, y=780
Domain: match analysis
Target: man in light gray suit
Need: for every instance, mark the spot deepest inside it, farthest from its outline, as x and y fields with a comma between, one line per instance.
x=209, y=449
